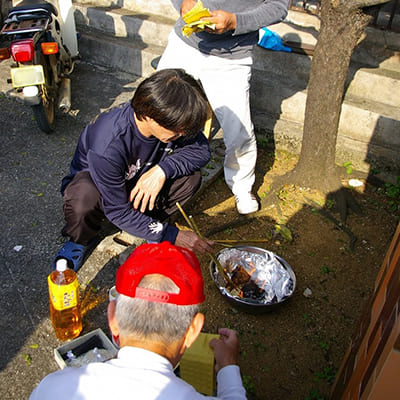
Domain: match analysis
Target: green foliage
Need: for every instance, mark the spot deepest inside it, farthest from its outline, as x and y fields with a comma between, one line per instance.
x=228, y=231
x=324, y=345
x=259, y=346
x=349, y=167
x=284, y=231
x=325, y=269
x=315, y=395
x=248, y=384
x=306, y=318
x=27, y=358
x=283, y=194
x=330, y=204
x=393, y=192
x=328, y=374
x=262, y=142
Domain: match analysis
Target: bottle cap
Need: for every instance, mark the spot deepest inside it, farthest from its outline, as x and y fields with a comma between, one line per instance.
x=61, y=265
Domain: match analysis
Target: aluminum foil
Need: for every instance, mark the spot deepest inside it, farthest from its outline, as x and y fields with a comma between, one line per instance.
x=94, y=355
x=270, y=281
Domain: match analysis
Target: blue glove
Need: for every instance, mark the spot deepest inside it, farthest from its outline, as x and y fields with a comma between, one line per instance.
x=272, y=41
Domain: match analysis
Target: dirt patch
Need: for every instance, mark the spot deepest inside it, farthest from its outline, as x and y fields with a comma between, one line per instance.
x=294, y=350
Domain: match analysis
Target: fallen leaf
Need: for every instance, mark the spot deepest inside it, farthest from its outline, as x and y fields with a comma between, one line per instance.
x=28, y=359
x=284, y=231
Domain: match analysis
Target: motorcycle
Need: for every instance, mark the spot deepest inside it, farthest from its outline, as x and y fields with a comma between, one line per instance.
x=41, y=38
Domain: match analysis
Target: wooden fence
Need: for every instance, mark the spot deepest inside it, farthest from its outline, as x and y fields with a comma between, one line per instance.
x=371, y=367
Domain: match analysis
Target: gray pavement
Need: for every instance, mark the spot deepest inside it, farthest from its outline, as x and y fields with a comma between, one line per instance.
x=32, y=165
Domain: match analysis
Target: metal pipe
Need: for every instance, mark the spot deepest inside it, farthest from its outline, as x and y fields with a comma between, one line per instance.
x=64, y=102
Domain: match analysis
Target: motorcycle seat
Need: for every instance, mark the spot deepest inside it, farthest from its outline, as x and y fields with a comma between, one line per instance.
x=33, y=5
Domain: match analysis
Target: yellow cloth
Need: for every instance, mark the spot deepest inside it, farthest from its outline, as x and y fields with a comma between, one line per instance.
x=192, y=19
x=197, y=364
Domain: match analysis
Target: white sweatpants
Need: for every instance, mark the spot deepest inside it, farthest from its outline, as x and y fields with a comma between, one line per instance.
x=226, y=83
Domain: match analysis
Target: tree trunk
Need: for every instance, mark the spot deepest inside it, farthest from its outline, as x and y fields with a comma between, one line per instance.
x=341, y=30
x=342, y=25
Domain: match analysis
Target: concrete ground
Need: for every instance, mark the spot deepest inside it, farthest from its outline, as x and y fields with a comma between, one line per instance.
x=32, y=165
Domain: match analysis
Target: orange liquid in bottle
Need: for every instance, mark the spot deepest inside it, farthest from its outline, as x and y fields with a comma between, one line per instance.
x=64, y=302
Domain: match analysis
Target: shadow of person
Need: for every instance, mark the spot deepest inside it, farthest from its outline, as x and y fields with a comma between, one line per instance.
x=278, y=97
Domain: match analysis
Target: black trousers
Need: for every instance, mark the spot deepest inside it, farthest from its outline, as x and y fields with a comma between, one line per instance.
x=83, y=210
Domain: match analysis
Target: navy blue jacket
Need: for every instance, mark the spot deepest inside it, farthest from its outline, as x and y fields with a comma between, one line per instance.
x=114, y=152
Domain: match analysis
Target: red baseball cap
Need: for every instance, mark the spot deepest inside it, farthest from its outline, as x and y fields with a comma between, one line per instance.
x=177, y=263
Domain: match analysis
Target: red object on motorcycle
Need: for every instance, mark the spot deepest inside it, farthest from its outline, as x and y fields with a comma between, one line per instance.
x=22, y=50
x=4, y=53
x=49, y=48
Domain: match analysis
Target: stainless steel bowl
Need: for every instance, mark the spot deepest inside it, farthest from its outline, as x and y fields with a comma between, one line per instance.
x=248, y=304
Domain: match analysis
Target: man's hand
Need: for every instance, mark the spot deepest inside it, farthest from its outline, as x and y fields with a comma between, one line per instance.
x=226, y=348
x=186, y=6
x=193, y=242
x=146, y=190
x=224, y=21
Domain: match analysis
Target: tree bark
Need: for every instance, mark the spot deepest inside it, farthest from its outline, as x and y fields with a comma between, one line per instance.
x=341, y=30
x=342, y=25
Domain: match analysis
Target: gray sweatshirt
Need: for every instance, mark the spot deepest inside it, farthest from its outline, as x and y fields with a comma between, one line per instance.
x=251, y=15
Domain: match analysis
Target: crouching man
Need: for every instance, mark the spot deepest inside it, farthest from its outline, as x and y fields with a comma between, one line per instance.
x=133, y=163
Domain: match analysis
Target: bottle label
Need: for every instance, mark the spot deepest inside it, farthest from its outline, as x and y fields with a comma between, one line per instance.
x=63, y=296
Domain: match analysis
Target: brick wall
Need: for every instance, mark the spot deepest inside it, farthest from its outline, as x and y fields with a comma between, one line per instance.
x=371, y=367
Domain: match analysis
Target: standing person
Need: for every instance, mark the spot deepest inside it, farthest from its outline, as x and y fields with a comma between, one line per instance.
x=222, y=59
x=156, y=317
x=134, y=162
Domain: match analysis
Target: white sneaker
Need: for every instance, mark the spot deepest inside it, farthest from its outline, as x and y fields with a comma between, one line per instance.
x=246, y=203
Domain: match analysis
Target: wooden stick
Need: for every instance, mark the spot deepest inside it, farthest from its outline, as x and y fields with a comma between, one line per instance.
x=192, y=225
x=184, y=215
x=240, y=241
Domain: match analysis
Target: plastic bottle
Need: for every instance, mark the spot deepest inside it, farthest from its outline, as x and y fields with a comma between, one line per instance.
x=64, y=301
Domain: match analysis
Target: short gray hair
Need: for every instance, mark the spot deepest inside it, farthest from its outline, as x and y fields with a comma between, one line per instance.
x=146, y=320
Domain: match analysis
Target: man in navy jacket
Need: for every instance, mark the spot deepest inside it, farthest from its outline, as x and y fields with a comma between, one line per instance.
x=134, y=162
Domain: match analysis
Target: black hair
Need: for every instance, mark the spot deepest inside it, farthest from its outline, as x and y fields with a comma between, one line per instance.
x=174, y=99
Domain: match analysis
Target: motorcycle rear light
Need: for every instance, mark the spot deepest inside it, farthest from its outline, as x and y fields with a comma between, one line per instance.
x=49, y=48
x=4, y=53
x=22, y=50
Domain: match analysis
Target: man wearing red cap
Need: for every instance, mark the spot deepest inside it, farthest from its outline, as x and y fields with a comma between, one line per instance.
x=155, y=317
